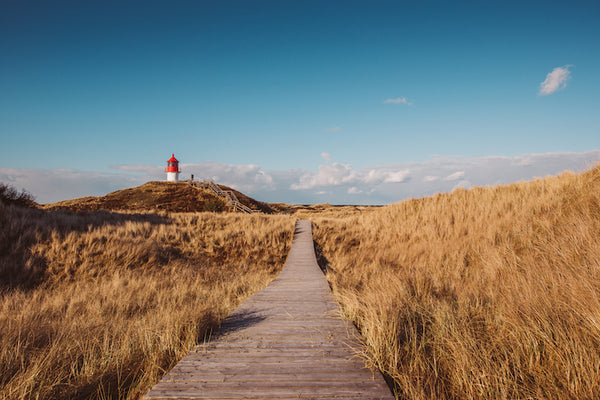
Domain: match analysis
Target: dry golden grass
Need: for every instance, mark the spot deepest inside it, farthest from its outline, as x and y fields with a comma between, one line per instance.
x=100, y=305
x=489, y=293
x=321, y=210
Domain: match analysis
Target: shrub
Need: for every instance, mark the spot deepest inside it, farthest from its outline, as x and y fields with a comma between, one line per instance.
x=214, y=205
x=10, y=195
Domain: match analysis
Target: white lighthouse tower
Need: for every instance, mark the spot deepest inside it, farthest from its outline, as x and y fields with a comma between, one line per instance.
x=172, y=169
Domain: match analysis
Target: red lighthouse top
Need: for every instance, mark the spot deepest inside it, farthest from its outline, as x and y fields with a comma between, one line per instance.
x=172, y=164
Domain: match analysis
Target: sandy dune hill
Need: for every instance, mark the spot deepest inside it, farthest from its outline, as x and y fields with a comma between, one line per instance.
x=167, y=196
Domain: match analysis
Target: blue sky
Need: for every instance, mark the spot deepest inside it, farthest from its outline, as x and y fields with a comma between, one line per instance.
x=111, y=89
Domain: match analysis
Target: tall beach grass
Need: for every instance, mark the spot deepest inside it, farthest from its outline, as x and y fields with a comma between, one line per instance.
x=100, y=305
x=487, y=293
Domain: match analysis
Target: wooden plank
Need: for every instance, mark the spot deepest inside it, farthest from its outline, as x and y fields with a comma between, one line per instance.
x=200, y=396
x=261, y=393
x=315, y=355
x=334, y=363
x=274, y=376
x=289, y=347
x=287, y=341
x=267, y=397
x=291, y=386
x=276, y=372
x=232, y=367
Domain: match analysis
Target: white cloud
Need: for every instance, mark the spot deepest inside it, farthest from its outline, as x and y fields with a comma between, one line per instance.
x=263, y=177
x=398, y=100
x=555, y=80
x=335, y=183
x=326, y=157
x=333, y=129
x=431, y=178
x=464, y=184
x=374, y=176
x=379, y=175
x=245, y=177
x=329, y=175
x=139, y=168
x=397, y=176
x=52, y=185
x=455, y=176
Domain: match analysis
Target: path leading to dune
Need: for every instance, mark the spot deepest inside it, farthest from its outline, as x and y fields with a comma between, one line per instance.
x=287, y=341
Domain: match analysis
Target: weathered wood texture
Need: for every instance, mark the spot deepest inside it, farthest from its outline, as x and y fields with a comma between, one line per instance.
x=285, y=342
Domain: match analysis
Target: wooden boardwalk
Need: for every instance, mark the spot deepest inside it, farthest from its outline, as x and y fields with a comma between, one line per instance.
x=285, y=342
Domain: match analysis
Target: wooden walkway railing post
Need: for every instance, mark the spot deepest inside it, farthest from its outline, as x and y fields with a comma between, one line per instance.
x=285, y=342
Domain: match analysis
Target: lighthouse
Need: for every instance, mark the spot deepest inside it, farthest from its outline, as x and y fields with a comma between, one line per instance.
x=172, y=169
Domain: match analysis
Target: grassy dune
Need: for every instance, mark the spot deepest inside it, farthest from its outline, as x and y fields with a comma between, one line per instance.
x=99, y=305
x=488, y=293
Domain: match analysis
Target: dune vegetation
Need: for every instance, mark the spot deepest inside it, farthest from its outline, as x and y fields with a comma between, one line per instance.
x=487, y=293
x=101, y=304
x=159, y=196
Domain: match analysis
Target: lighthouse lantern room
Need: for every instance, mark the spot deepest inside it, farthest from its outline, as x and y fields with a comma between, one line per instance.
x=172, y=169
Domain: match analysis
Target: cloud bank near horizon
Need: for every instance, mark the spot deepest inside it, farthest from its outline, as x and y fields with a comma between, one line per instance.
x=333, y=182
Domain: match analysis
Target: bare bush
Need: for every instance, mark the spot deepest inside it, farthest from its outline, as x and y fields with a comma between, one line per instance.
x=10, y=196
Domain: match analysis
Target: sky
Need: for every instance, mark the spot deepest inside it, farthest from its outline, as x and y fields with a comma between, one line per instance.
x=346, y=102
